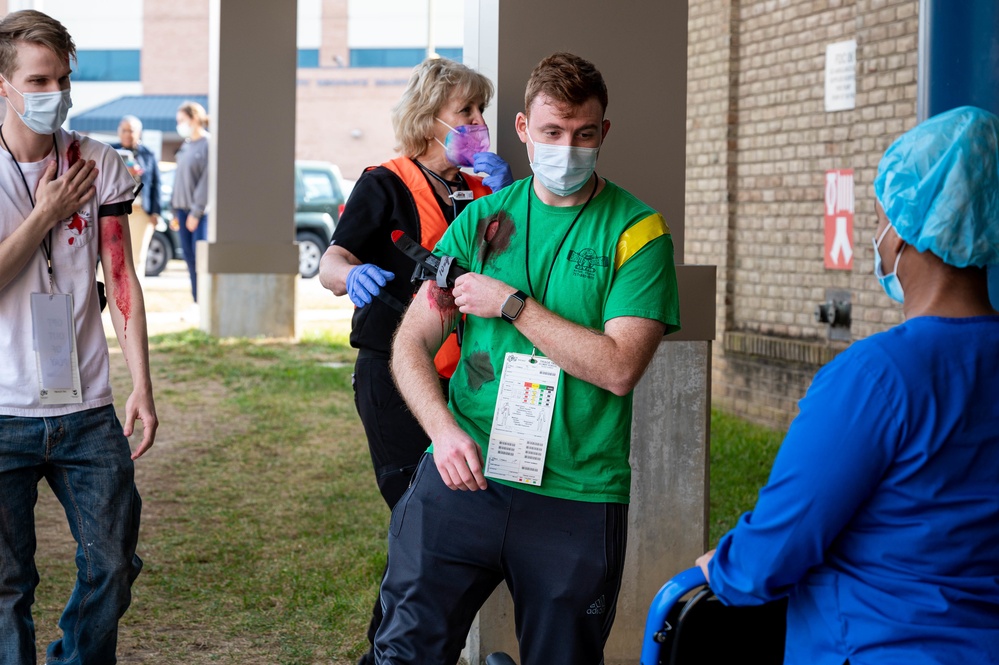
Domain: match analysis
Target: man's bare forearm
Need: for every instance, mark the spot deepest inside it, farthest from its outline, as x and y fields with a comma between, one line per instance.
x=128, y=315
x=427, y=323
x=613, y=359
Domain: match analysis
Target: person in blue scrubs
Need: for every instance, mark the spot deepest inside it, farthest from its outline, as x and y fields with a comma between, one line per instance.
x=880, y=520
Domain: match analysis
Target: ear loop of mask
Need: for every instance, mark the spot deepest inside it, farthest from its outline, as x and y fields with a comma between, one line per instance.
x=877, y=249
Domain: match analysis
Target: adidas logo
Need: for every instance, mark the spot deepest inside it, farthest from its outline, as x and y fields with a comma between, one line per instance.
x=598, y=607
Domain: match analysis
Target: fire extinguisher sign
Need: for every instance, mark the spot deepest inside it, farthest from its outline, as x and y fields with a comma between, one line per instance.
x=839, y=220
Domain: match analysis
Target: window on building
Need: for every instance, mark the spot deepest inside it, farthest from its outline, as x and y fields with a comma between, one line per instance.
x=108, y=65
x=308, y=58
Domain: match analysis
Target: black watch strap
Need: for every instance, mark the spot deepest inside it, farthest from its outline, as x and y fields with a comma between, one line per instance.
x=513, y=306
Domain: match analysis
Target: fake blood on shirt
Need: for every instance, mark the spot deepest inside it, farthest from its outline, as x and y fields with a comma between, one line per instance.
x=78, y=223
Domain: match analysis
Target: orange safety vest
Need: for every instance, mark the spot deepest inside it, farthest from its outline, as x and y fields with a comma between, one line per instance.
x=432, y=228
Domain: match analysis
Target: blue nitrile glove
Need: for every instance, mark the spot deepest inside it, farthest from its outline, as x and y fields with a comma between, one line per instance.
x=499, y=175
x=365, y=282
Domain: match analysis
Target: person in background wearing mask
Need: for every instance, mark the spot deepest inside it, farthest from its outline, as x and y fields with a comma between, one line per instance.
x=880, y=519
x=190, y=186
x=143, y=166
x=64, y=201
x=440, y=130
x=570, y=291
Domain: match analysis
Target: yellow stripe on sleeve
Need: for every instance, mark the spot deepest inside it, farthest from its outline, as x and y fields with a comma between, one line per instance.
x=638, y=236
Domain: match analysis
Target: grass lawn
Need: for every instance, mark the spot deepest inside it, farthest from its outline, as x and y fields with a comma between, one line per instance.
x=263, y=532
x=741, y=456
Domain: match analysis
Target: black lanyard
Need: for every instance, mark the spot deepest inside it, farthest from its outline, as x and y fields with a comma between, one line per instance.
x=527, y=239
x=47, y=240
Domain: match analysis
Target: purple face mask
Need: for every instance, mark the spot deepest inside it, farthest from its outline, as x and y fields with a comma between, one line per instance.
x=463, y=141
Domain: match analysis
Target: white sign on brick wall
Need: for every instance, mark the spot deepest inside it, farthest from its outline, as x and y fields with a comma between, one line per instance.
x=841, y=76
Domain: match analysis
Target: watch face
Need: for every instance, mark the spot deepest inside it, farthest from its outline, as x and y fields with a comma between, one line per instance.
x=512, y=306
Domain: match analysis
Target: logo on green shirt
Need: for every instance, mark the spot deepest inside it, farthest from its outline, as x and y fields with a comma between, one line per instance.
x=587, y=262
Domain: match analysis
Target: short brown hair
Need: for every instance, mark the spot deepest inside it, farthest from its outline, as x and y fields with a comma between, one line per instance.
x=430, y=87
x=567, y=80
x=36, y=28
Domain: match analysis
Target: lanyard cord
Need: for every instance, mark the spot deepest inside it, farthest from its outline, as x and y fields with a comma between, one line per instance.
x=460, y=184
x=527, y=240
x=47, y=240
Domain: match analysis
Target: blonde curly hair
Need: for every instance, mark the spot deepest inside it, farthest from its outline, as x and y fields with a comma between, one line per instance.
x=432, y=84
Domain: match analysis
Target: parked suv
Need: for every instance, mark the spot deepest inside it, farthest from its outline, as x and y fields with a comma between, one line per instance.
x=319, y=198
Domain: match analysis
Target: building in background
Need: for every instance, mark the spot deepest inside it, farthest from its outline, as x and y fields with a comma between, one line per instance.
x=354, y=57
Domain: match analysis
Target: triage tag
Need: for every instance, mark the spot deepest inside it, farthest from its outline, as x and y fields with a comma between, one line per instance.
x=522, y=420
x=54, y=338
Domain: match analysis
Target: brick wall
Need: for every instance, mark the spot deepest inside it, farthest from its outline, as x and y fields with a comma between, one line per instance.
x=344, y=116
x=759, y=144
x=175, y=47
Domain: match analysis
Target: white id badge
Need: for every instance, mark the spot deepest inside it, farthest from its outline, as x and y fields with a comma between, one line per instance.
x=54, y=338
x=518, y=441
x=463, y=195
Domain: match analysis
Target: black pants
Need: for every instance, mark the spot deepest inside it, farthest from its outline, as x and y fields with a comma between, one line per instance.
x=395, y=440
x=561, y=559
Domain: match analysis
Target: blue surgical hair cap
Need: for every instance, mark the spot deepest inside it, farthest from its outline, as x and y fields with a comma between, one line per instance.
x=939, y=186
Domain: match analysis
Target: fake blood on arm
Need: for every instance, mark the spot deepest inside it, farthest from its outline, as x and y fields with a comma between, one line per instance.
x=111, y=237
x=442, y=301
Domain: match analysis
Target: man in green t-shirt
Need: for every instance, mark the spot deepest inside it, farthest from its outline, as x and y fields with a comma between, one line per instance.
x=571, y=287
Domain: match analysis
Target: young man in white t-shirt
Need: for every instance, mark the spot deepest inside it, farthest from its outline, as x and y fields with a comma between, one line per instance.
x=64, y=201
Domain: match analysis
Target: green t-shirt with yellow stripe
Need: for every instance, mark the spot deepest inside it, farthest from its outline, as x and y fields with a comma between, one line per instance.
x=616, y=260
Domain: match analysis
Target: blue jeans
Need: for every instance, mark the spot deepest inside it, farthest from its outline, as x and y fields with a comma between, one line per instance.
x=86, y=461
x=188, y=240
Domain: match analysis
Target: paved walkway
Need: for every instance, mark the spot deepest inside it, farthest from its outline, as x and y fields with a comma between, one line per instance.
x=169, y=306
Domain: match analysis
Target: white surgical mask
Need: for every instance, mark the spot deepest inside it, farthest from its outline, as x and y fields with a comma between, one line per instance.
x=44, y=112
x=562, y=169
x=184, y=129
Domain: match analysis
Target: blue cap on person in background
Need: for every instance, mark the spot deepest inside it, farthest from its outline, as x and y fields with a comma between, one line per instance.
x=939, y=186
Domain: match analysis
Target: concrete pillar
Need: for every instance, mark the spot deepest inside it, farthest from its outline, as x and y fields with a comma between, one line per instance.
x=641, y=49
x=248, y=266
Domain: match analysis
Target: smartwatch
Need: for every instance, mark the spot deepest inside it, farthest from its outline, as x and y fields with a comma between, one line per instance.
x=513, y=306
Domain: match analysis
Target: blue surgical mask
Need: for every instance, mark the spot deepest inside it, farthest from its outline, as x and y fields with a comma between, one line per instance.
x=889, y=282
x=44, y=112
x=562, y=169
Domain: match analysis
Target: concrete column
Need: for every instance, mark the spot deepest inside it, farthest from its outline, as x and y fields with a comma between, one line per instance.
x=641, y=49
x=248, y=266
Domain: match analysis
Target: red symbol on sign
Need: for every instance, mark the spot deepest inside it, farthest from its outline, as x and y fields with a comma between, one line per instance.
x=839, y=220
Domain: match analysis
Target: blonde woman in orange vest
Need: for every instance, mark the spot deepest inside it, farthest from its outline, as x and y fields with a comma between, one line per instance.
x=440, y=130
